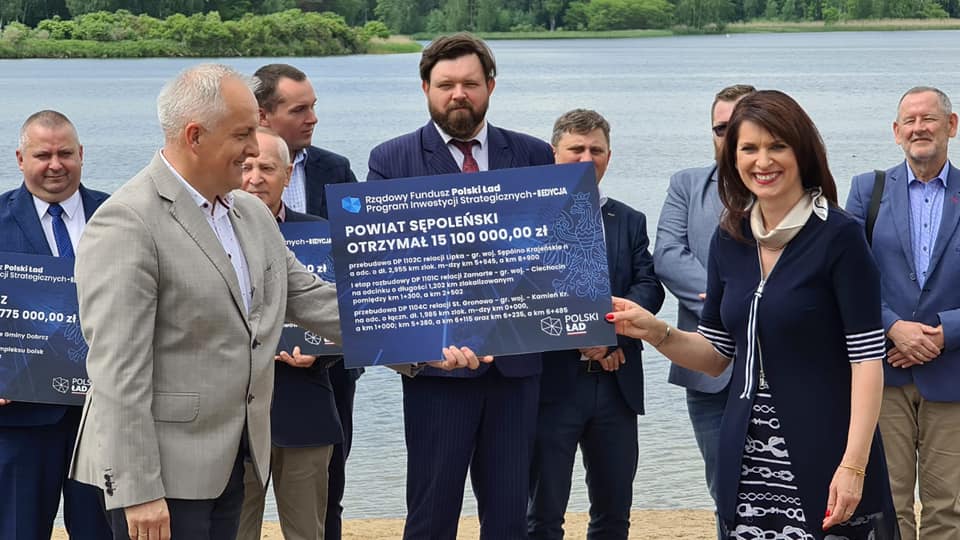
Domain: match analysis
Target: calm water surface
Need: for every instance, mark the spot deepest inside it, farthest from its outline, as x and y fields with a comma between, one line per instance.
x=656, y=94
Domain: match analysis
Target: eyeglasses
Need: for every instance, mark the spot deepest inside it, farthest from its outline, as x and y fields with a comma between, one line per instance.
x=720, y=129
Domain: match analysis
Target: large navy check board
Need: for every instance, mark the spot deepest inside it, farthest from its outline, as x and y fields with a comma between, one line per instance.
x=504, y=262
x=310, y=242
x=42, y=352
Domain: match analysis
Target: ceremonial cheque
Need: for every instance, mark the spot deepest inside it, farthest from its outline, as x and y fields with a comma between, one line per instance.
x=508, y=272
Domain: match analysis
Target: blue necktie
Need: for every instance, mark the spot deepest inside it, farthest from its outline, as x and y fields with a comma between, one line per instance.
x=60, y=234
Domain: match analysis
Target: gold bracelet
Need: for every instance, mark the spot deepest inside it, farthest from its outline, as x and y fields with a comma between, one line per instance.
x=665, y=336
x=859, y=471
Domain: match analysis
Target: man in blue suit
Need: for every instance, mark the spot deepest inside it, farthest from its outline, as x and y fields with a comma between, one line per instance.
x=45, y=216
x=304, y=424
x=592, y=396
x=687, y=223
x=287, y=100
x=915, y=243
x=485, y=419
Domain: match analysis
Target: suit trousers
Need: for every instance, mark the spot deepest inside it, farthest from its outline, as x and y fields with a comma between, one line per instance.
x=344, y=384
x=595, y=416
x=706, y=414
x=921, y=440
x=486, y=424
x=198, y=519
x=299, y=477
x=33, y=472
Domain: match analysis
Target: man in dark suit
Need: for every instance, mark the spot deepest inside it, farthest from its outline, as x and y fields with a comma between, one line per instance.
x=287, y=100
x=483, y=419
x=36, y=440
x=592, y=396
x=303, y=417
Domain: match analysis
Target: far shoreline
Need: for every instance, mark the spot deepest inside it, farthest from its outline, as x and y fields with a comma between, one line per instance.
x=408, y=44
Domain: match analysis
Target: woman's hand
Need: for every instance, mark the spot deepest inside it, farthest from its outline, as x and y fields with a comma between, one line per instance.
x=631, y=320
x=845, y=492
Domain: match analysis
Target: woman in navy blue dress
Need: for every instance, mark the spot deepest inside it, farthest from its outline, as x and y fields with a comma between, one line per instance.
x=793, y=299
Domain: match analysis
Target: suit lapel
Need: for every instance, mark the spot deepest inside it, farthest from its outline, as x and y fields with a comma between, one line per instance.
x=90, y=202
x=948, y=220
x=499, y=154
x=249, y=242
x=611, y=231
x=900, y=206
x=437, y=157
x=25, y=212
x=185, y=211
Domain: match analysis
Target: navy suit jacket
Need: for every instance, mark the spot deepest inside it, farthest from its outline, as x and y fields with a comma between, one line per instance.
x=937, y=302
x=631, y=276
x=303, y=412
x=21, y=232
x=423, y=153
x=320, y=168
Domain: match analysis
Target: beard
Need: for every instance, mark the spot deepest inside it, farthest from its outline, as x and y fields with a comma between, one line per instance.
x=459, y=120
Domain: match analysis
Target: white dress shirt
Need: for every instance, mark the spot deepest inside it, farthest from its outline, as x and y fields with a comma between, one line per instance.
x=481, y=152
x=218, y=216
x=73, y=218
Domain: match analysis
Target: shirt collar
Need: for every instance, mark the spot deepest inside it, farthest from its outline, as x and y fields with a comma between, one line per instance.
x=481, y=137
x=282, y=214
x=299, y=157
x=942, y=176
x=214, y=209
x=71, y=206
x=603, y=196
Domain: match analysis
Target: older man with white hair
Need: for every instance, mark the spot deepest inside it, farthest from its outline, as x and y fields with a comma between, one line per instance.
x=184, y=285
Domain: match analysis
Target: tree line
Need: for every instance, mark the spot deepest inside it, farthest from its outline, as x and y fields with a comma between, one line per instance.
x=318, y=27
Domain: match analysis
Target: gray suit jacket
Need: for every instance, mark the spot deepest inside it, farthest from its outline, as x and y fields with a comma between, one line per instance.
x=688, y=222
x=179, y=369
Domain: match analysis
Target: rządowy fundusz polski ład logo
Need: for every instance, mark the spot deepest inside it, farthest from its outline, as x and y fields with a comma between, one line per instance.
x=574, y=324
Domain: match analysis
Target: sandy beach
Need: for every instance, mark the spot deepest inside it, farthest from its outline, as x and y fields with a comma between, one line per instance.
x=645, y=525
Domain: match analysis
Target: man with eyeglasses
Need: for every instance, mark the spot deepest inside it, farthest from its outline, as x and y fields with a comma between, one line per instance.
x=688, y=221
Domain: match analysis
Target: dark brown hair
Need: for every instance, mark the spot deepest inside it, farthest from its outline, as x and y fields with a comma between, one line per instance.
x=454, y=46
x=783, y=117
x=731, y=94
x=269, y=76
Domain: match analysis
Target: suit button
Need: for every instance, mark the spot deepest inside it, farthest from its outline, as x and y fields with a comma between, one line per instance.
x=249, y=399
x=256, y=343
x=913, y=277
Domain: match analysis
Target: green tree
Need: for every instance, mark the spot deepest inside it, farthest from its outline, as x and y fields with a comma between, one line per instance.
x=79, y=7
x=402, y=16
x=701, y=13
x=628, y=14
x=576, y=17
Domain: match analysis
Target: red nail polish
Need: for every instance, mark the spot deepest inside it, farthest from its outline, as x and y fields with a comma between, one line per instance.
x=828, y=512
x=609, y=316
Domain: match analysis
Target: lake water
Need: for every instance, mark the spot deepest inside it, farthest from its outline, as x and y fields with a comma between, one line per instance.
x=656, y=93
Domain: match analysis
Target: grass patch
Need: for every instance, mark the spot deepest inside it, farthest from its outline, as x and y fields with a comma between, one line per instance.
x=393, y=45
x=561, y=34
x=859, y=25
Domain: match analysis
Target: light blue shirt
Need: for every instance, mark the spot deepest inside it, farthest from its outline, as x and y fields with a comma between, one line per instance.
x=926, y=210
x=295, y=194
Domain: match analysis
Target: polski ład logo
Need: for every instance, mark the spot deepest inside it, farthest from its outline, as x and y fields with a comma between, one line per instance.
x=551, y=326
x=312, y=338
x=61, y=385
x=351, y=204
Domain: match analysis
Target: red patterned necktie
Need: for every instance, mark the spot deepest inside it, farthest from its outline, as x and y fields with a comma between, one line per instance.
x=469, y=163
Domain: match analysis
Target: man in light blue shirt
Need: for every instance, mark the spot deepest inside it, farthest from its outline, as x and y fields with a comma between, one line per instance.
x=914, y=242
